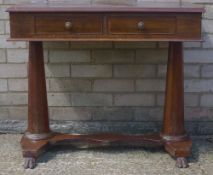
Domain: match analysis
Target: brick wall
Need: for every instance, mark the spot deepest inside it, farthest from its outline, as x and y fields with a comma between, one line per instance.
x=107, y=86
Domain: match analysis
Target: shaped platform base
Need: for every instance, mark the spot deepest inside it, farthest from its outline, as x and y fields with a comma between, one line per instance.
x=33, y=148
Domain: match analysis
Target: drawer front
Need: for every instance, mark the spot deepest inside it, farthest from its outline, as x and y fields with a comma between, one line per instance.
x=105, y=27
x=68, y=24
x=141, y=24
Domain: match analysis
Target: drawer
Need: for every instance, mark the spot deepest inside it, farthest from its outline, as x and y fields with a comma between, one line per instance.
x=141, y=24
x=68, y=24
x=105, y=27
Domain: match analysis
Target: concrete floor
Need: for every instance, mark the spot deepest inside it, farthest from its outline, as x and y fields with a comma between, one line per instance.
x=117, y=161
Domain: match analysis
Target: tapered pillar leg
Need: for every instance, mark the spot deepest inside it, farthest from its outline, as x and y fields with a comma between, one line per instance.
x=177, y=143
x=38, y=122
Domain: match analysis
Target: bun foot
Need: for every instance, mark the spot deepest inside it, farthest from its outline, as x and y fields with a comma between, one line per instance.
x=181, y=162
x=30, y=163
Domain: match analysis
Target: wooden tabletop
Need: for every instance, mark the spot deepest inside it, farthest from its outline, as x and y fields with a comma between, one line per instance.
x=105, y=6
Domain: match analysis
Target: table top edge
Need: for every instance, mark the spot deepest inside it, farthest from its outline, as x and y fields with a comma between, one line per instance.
x=138, y=7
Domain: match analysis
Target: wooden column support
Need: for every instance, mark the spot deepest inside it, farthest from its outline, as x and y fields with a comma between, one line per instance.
x=38, y=121
x=173, y=125
x=173, y=137
x=177, y=142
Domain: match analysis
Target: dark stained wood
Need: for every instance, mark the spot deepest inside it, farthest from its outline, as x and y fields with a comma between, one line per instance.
x=118, y=27
x=188, y=25
x=19, y=26
x=174, y=100
x=107, y=139
x=33, y=148
x=75, y=21
x=38, y=121
x=178, y=143
x=179, y=149
x=81, y=24
x=153, y=24
x=107, y=6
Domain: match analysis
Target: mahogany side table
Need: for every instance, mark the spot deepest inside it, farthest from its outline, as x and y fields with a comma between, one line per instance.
x=72, y=21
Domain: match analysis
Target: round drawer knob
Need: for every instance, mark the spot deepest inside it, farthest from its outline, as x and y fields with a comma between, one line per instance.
x=68, y=25
x=141, y=25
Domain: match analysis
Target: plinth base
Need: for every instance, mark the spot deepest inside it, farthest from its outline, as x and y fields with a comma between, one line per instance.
x=33, y=148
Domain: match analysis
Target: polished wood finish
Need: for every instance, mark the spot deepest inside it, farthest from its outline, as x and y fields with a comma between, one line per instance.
x=32, y=149
x=153, y=24
x=106, y=27
x=174, y=112
x=101, y=22
x=55, y=24
x=107, y=6
x=38, y=112
x=178, y=143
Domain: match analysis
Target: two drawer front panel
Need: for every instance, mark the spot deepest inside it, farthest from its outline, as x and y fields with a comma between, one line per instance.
x=106, y=26
x=141, y=25
x=69, y=24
